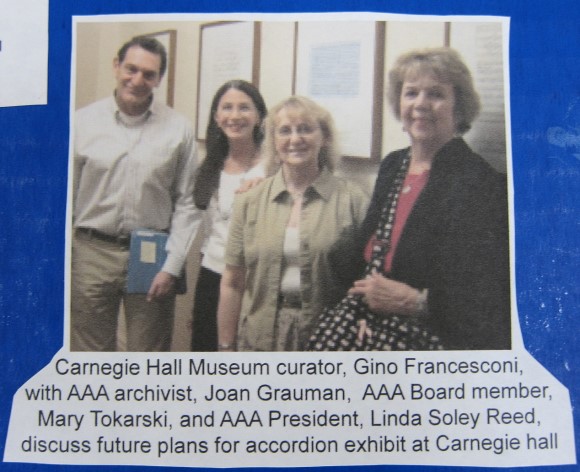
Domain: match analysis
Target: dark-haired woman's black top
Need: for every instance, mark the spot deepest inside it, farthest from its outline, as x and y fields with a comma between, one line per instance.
x=455, y=243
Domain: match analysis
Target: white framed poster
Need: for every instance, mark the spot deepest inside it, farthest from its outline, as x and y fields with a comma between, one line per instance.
x=341, y=68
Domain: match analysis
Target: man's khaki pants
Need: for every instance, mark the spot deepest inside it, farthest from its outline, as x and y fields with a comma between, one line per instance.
x=98, y=287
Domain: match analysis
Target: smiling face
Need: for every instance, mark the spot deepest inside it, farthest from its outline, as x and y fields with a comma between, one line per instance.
x=136, y=77
x=236, y=115
x=428, y=110
x=298, y=140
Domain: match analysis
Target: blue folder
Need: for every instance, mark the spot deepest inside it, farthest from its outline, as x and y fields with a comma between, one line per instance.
x=147, y=255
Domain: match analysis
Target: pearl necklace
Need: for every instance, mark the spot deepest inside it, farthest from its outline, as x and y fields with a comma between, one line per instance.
x=411, y=180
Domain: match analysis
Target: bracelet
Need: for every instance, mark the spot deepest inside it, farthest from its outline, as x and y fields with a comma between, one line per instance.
x=421, y=306
x=225, y=346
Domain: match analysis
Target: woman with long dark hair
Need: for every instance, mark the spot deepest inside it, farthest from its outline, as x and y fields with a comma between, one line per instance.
x=233, y=138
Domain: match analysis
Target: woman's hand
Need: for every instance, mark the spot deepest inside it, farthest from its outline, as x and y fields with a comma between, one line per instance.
x=384, y=295
x=248, y=184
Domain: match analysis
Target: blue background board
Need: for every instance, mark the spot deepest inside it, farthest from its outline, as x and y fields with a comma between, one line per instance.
x=545, y=117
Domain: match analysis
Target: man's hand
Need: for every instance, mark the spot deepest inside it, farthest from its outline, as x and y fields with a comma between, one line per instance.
x=163, y=285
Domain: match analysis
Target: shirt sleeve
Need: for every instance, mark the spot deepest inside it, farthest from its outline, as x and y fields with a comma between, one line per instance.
x=360, y=205
x=78, y=163
x=186, y=216
x=235, y=247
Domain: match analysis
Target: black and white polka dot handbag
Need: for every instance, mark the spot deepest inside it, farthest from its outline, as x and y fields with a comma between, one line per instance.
x=339, y=326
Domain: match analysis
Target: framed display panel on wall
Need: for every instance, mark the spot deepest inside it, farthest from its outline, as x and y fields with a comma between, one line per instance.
x=342, y=70
x=166, y=89
x=228, y=51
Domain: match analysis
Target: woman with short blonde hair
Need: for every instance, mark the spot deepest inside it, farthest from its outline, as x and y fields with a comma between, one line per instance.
x=291, y=245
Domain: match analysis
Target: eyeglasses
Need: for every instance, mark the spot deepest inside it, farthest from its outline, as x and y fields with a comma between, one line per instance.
x=301, y=130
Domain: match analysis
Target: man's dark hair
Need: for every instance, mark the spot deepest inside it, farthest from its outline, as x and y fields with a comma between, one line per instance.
x=149, y=44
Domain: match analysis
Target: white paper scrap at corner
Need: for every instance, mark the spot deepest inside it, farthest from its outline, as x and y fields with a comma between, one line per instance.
x=23, y=52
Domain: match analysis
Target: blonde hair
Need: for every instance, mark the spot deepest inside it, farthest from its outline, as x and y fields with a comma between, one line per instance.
x=311, y=110
x=447, y=66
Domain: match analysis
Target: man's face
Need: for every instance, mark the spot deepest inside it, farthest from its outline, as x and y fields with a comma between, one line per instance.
x=136, y=76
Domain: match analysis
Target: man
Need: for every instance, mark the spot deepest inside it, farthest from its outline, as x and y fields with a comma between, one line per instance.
x=134, y=162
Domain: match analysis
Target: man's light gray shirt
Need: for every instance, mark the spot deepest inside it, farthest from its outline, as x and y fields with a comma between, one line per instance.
x=138, y=175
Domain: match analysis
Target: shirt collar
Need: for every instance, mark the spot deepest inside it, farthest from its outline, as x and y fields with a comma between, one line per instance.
x=322, y=186
x=152, y=110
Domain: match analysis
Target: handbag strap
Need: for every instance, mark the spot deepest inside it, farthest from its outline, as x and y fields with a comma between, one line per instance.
x=382, y=240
